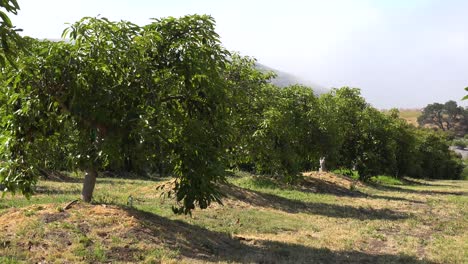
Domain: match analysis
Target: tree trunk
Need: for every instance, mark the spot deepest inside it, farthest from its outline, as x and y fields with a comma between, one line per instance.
x=88, y=184
x=128, y=164
x=161, y=166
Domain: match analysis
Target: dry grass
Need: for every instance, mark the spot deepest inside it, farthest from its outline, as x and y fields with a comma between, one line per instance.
x=321, y=219
x=410, y=115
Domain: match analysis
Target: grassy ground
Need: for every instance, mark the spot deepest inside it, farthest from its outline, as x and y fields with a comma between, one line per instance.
x=464, y=174
x=325, y=218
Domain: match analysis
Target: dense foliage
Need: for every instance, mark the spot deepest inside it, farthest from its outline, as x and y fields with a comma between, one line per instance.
x=290, y=129
x=167, y=98
x=112, y=96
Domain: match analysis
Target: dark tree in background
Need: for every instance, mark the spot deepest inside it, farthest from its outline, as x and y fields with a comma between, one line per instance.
x=447, y=117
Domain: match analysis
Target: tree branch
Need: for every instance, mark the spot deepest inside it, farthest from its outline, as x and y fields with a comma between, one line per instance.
x=173, y=97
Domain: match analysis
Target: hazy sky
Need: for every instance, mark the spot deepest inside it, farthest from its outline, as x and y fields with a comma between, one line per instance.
x=404, y=53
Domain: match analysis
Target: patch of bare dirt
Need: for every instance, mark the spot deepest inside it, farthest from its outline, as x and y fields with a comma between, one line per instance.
x=52, y=217
x=48, y=232
x=58, y=176
x=123, y=253
x=376, y=246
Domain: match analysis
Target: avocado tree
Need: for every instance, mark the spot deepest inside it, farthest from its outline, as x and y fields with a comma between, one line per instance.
x=111, y=94
x=376, y=145
x=286, y=141
x=250, y=95
x=403, y=141
x=276, y=131
x=341, y=115
x=433, y=158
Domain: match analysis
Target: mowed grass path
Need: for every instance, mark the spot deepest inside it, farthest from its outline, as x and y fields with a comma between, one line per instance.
x=323, y=219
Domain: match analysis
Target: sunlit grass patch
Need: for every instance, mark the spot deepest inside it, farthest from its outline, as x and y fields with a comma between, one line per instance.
x=383, y=179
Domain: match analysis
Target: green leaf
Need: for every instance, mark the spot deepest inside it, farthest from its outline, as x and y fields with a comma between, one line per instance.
x=6, y=20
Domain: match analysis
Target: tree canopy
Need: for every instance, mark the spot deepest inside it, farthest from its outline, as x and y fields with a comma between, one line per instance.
x=447, y=117
x=116, y=90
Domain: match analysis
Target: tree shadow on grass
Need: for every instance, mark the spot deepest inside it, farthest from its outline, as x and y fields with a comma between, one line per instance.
x=200, y=244
x=393, y=198
x=333, y=189
x=294, y=206
x=306, y=184
x=57, y=176
x=424, y=192
x=104, y=177
x=415, y=182
x=52, y=191
x=131, y=181
x=319, y=186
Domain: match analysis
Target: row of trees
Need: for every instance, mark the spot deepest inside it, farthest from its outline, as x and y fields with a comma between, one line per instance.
x=168, y=98
x=287, y=130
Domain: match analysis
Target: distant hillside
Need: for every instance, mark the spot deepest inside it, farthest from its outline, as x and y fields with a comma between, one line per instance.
x=410, y=115
x=284, y=79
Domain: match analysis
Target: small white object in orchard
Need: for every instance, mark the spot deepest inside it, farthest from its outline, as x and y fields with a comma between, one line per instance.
x=322, y=165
